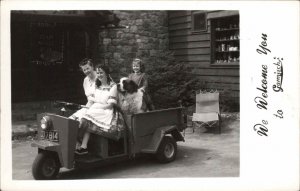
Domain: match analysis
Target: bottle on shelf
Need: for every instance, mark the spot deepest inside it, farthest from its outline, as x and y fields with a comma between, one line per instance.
x=228, y=47
x=223, y=47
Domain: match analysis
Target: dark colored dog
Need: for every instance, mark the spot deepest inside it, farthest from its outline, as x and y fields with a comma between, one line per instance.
x=131, y=99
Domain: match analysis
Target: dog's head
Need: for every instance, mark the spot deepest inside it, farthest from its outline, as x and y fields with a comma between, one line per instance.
x=127, y=85
x=120, y=85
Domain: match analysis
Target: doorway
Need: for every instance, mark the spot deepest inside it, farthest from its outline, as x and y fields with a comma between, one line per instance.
x=44, y=61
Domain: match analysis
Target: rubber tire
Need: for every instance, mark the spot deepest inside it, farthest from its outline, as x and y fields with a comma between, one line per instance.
x=38, y=166
x=161, y=155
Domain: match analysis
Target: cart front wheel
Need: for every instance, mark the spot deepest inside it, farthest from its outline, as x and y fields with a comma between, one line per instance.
x=45, y=166
x=167, y=150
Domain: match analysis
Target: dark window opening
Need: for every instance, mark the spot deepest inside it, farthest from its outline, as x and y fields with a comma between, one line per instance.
x=199, y=22
x=45, y=59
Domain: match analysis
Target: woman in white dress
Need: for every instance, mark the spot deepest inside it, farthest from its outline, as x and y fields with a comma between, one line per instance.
x=89, y=87
x=100, y=117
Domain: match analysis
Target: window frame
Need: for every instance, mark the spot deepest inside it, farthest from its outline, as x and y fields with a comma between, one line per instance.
x=213, y=62
x=194, y=14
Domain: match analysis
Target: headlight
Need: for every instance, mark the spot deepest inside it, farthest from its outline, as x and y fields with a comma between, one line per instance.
x=46, y=122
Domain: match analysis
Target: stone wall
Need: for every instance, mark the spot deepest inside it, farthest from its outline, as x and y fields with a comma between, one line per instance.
x=146, y=35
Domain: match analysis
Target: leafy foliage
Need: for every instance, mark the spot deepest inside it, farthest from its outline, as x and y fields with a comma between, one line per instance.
x=169, y=81
x=228, y=103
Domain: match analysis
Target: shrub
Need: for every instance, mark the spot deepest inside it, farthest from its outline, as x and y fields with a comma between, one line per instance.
x=227, y=102
x=169, y=81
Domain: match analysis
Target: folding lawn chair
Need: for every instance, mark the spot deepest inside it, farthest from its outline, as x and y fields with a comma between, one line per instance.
x=207, y=109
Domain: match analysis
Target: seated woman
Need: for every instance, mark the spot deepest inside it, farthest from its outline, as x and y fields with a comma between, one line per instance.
x=87, y=67
x=100, y=118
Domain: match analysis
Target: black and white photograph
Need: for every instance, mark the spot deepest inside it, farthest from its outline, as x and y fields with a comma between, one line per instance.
x=168, y=97
x=165, y=84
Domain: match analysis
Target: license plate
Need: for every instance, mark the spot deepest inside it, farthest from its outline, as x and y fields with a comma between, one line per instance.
x=49, y=135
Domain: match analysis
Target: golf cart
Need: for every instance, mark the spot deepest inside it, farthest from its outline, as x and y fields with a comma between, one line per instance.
x=154, y=132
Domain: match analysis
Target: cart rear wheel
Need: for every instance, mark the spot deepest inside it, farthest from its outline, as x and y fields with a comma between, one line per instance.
x=167, y=150
x=45, y=166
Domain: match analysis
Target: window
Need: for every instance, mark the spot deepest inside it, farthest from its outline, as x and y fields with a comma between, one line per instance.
x=47, y=44
x=225, y=41
x=199, y=22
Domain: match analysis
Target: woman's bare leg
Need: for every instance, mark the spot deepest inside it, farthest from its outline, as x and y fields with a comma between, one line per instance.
x=83, y=125
x=85, y=140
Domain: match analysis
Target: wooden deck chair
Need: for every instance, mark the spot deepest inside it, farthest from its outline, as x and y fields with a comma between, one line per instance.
x=207, y=109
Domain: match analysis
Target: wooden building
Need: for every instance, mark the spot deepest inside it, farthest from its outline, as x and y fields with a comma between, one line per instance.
x=208, y=42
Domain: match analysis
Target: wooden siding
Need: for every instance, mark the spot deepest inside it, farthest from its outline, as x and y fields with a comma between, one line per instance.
x=196, y=51
x=190, y=38
x=185, y=45
x=194, y=48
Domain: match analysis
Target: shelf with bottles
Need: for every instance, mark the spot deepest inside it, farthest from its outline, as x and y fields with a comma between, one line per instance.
x=232, y=61
x=227, y=27
x=232, y=36
x=227, y=48
x=227, y=57
x=229, y=40
x=227, y=43
x=227, y=51
x=225, y=63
